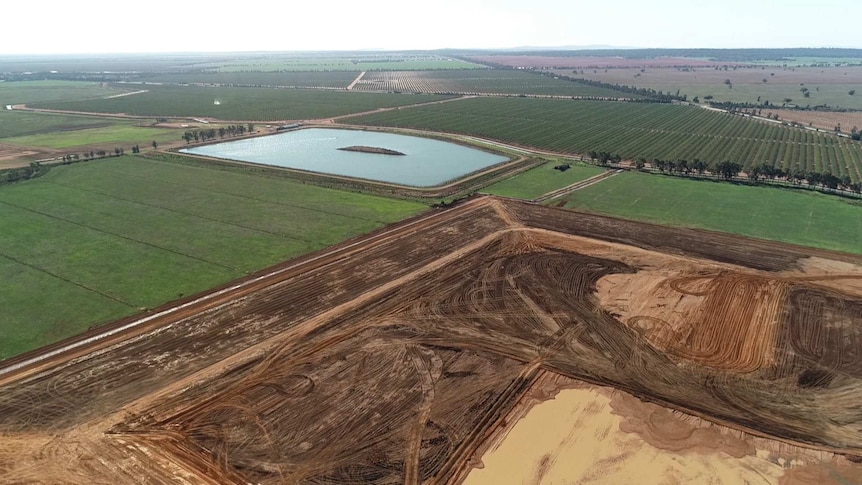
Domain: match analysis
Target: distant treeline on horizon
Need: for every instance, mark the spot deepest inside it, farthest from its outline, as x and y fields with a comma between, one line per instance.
x=720, y=55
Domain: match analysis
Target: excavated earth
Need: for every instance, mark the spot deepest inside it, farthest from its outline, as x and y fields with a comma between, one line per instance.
x=403, y=356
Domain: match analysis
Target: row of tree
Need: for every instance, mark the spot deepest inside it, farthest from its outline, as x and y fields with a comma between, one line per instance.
x=649, y=94
x=209, y=134
x=728, y=170
x=604, y=158
x=97, y=154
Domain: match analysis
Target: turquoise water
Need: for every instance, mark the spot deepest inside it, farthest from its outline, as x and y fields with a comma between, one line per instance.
x=426, y=162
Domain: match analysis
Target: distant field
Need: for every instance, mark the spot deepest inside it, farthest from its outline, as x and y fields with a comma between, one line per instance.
x=21, y=123
x=241, y=103
x=609, y=60
x=801, y=61
x=796, y=217
x=497, y=81
x=23, y=92
x=129, y=64
x=333, y=79
x=541, y=180
x=348, y=63
x=123, y=134
x=99, y=63
x=633, y=130
x=827, y=85
x=95, y=241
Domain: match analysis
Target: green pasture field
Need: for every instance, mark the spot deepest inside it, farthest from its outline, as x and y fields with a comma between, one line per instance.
x=122, y=135
x=541, y=180
x=25, y=92
x=95, y=241
x=797, y=217
x=255, y=104
x=485, y=81
x=23, y=123
x=324, y=79
x=632, y=130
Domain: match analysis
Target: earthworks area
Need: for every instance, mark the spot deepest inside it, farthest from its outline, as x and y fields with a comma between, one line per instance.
x=413, y=355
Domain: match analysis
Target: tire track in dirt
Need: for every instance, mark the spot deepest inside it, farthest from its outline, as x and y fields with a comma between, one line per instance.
x=395, y=358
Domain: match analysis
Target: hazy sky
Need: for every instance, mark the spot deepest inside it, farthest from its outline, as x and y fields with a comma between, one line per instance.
x=91, y=26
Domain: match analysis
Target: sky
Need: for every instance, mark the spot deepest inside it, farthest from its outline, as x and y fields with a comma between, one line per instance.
x=101, y=26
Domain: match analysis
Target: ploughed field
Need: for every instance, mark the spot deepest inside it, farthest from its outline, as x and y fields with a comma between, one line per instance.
x=398, y=357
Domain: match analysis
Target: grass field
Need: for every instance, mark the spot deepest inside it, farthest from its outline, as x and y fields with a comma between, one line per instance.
x=23, y=92
x=20, y=123
x=664, y=131
x=484, y=81
x=23, y=123
x=120, y=134
x=241, y=103
x=541, y=180
x=796, y=217
x=95, y=241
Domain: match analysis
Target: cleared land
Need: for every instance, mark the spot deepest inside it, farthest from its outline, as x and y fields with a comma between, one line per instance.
x=541, y=180
x=552, y=61
x=508, y=81
x=255, y=104
x=826, y=120
x=95, y=241
x=449, y=322
x=796, y=217
x=828, y=86
x=668, y=132
x=589, y=434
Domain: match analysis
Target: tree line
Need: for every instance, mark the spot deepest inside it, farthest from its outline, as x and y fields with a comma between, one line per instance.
x=728, y=170
x=93, y=154
x=35, y=169
x=211, y=133
x=650, y=95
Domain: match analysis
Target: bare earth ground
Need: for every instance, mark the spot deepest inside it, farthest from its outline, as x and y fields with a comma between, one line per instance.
x=588, y=434
x=826, y=120
x=810, y=76
x=407, y=356
x=15, y=156
x=540, y=62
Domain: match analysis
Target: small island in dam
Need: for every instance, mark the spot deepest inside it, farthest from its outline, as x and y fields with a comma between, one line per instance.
x=366, y=149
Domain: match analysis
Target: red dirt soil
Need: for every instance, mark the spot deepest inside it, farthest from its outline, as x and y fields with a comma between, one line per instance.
x=395, y=358
x=551, y=62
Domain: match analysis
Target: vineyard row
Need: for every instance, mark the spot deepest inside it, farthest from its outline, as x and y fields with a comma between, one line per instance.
x=650, y=131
